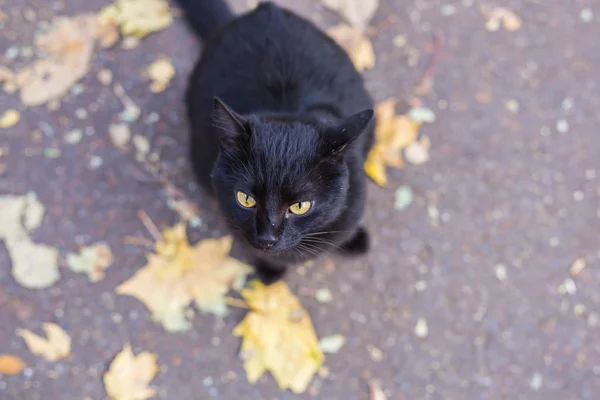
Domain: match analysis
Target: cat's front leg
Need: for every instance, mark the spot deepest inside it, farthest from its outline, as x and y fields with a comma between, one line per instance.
x=357, y=244
x=269, y=272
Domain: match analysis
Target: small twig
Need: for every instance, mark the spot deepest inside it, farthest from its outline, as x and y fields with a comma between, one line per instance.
x=137, y=241
x=233, y=302
x=426, y=82
x=154, y=231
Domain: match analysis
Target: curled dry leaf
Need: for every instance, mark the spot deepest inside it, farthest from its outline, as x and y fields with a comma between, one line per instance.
x=9, y=118
x=138, y=17
x=278, y=336
x=161, y=72
x=34, y=266
x=56, y=346
x=129, y=376
x=10, y=365
x=357, y=12
x=69, y=45
x=91, y=260
x=358, y=46
x=177, y=274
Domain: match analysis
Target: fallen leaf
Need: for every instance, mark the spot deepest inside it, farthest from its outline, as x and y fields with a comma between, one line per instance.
x=357, y=12
x=421, y=328
x=160, y=72
x=358, y=46
x=34, y=266
x=179, y=202
x=119, y=135
x=278, y=336
x=7, y=78
x=417, y=153
x=421, y=115
x=500, y=16
x=91, y=260
x=105, y=76
x=10, y=365
x=177, y=274
x=108, y=34
x=131, y=111
x=138, y=17
x=376, y=393
x=142, y=147
x=128, y=376
x=69, y=45
x=9, y=118
x=392, y=134
x=404, y=197
x=332, y=344
x=57, y=345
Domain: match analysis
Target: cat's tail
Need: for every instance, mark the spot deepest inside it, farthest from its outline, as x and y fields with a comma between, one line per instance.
x=206, y=16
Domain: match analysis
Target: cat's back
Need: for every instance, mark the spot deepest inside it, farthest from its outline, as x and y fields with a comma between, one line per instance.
x=273, y=60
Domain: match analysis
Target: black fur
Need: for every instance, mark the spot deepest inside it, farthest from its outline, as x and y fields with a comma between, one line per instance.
x=278, y=111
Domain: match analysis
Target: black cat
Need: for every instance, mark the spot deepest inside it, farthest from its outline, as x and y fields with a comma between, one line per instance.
x=281, y=124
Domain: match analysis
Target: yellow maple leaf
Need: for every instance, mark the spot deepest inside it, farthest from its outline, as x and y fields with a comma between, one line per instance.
x=278, y=336
x=160, y=72
x=129, y=376
x=137, y=17
x=55, y=347
x=393, y=133
x=356, y=44
x=177, y=274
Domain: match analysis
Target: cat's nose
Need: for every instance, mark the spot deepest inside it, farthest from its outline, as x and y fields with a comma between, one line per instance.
x=267, y=239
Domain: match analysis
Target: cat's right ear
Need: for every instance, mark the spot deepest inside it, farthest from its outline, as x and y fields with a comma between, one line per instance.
x=232, y=127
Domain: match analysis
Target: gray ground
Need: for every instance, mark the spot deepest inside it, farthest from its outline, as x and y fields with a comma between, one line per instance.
x=509, y=183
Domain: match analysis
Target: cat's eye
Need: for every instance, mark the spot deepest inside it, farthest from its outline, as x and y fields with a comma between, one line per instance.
x=300, y=208
x=246, y=200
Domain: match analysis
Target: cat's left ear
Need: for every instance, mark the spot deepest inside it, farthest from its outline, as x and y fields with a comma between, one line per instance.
x=344, y=132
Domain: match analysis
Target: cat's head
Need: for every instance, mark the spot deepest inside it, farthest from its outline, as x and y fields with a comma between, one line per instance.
x=278, y=179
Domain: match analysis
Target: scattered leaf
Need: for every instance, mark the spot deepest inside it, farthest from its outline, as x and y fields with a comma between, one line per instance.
x=69, y=45
x=421, y=115
x=332, y=344
x=105, y=76
x=107, y=35
x=119, y=135
x=9, y=118
x=177, y=274
x=138, y=17
x=421, y=328
x=323, y=295
x=34, y=266
x=577, y=266
x=357, y=12
x=128, y=376
x=278, y=336
x=376, y=393
x=91, y=260
x=417, y=153
x=10, y=365
x=404, y=197
x=392, y=134
x=161, y=72
x=57, y=345
x=131, y=111
x=500, y=16
x=358, y=46
x=142, y=147
x=179, y=202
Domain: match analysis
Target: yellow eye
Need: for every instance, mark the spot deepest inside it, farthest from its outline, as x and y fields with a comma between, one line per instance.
x=246, y=200
x=300, y=208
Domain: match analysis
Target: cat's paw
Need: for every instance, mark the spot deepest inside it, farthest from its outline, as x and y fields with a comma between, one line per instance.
x=269, y=273
x=357, y=244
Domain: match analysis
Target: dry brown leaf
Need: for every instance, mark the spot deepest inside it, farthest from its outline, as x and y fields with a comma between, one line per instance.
x=129, y=376
x=358, y=46
x=177, y=274
x=138, y=17
x=91, y=260
x=108, y=34
x=34, y=266
x=375, y=391
x=357, y=12
x=10, y=365
x=9, y=118
x=57, y=345
x=69, y=45
x=278, y=336
x=160, y=72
